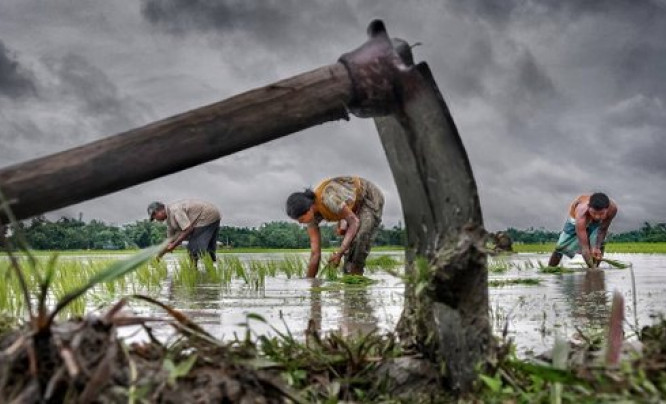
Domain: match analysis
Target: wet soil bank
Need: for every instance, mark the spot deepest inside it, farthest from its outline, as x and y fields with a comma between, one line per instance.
x=84, y=361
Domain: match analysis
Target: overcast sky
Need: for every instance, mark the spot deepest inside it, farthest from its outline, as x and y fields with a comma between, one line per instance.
x=551, y=98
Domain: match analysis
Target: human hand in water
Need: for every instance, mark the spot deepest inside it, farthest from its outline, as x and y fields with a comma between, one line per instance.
x=587, y=256
x=596, y=254
x=335, y=258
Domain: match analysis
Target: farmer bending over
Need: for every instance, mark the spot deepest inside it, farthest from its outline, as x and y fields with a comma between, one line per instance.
x=192, y=220
x=355, y=204
x=585, y=229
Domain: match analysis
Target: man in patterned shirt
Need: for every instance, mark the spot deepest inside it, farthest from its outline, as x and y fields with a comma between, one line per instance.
x=355, y=204
x=193, y=220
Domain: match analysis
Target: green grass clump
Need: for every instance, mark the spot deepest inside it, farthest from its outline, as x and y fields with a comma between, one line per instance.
x=501, y=265
x=497, y=283
x=68, y=274
x=343, y=282
x=382, y=262
x=293, y=265
x=356, y=280
x=498, y=266
x=616, y=264
x=329, y=272
x=556, y=270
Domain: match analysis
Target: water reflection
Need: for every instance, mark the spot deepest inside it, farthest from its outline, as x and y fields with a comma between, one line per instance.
x=356, y=313
x=588, y=298
x=559, y=304
x=315, y=306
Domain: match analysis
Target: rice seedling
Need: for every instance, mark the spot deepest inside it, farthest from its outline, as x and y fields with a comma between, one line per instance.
x=236, y=268
x=293, y=265
x=150, y=275
x=272, y=268
x=64, y=275
x=529, y=264
x=556, y=270
x=211, y=272
x=498, y=265
x=496, y=283
x=258, y=267
x=226, y=271
x=344, y=282
x=329, y=272
x=185, y=274
x=616, y=264
x=356, y=280
x=66, y=283
x=382, y=262
x=255, y=275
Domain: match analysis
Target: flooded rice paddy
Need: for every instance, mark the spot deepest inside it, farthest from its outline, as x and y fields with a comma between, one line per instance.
x=567, y=304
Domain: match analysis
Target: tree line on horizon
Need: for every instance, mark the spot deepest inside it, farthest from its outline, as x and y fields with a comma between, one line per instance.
x=648, y=233
x=75, y=234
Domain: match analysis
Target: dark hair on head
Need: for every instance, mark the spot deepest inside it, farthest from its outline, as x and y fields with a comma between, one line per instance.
x=298, y=203
x=599, y=201
x=155, y=206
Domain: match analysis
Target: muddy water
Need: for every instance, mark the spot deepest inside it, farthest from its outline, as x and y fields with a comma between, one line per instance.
x=565, y=303
x=534, y=315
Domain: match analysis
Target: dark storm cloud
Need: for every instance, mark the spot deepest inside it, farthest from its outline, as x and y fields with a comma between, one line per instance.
x=15, y=81
x=75, y=103
x=640, y=66
x=89, y=84
x=181, y=16
x=640, y=122
x=620, y=36
x=272, y=22
x=638, y=111
x=476, y=63
x=647, y=154
x=503, y=12
x=527, y=97
x=96, y=95
x=534, y=82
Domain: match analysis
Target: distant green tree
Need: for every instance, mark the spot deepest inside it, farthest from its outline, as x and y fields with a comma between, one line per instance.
x=395, y=236
x=238, y=237
x=144, y=233
x=532, y=235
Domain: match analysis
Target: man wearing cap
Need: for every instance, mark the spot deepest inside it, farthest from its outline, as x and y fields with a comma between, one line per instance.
x=193, y=220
